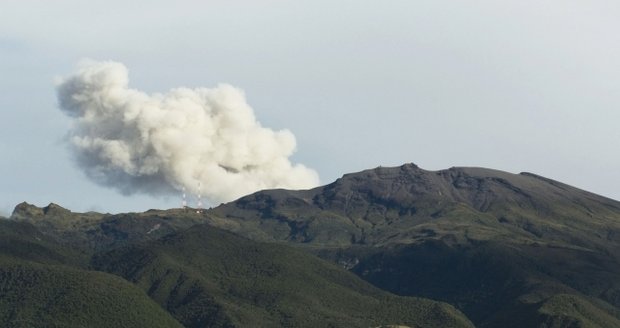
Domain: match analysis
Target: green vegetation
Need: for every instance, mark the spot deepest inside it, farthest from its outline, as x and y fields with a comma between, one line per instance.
x=495, y=284
x=22, y=240
x=558, y=311
x=36, y=295
x=38, y=290
x=209, y=277
x=563, y=310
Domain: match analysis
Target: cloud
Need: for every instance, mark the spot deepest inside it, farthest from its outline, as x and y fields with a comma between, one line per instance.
x=161, y=143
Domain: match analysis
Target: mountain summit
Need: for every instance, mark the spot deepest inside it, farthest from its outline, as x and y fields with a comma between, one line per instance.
x=407, y=204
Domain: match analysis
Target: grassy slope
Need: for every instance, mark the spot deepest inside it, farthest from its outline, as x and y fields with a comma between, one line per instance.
x=206, y=276
x=38, y=288
x=36, y=295
x=490, y=282
x=557, y=311
x=22, y=240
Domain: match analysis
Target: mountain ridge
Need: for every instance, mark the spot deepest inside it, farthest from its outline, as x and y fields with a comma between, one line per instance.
x=503, y=248
x=390, y=195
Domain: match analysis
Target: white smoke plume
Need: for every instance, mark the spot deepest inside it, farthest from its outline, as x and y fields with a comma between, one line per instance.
x=161, y=143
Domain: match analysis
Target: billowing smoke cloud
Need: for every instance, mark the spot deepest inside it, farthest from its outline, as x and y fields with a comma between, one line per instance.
x=161, y=143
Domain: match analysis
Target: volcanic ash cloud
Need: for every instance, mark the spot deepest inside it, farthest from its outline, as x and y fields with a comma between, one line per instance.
x=160, y=143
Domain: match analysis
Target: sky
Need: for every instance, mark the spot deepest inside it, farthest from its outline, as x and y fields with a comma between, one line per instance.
x=511, y=85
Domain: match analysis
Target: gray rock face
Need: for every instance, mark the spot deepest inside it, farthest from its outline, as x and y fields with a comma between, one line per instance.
x=26, y=211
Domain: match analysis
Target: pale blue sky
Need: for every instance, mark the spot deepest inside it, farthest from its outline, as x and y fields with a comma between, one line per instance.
x=512, y=85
